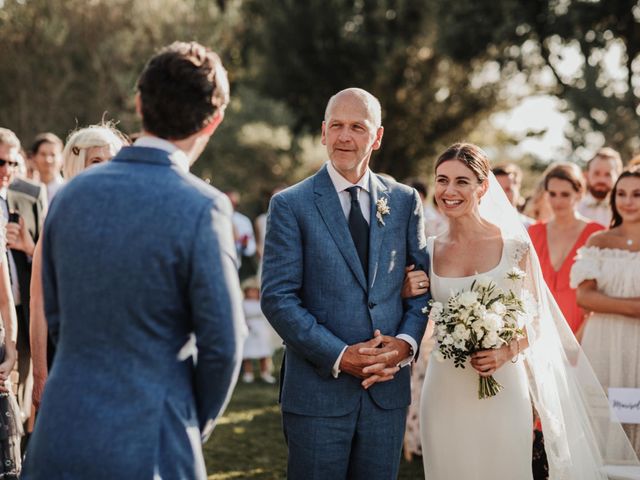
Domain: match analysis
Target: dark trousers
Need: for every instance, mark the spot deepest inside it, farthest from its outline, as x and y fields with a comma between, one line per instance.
x=362, y=445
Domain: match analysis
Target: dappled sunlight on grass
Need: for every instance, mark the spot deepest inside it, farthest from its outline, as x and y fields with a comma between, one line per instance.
x=240, y=474
x=246, y=415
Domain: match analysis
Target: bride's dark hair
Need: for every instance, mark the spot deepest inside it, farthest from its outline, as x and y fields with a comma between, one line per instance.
x=469, y=154
x=616, y=219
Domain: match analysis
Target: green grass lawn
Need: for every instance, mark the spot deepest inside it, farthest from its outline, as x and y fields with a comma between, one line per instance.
x=248, y=441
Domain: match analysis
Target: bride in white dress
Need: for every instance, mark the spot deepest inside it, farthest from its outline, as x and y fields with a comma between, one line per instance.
x=464, y=437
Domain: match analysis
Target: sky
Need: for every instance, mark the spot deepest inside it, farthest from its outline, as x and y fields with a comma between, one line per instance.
x=536, y=113
x=541, y=112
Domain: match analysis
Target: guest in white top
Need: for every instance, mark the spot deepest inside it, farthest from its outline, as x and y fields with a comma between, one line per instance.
x=602, y=172
x=46, y=153
x=243, y=228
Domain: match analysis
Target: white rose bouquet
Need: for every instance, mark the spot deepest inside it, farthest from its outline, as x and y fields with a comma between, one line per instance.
x=481, y=318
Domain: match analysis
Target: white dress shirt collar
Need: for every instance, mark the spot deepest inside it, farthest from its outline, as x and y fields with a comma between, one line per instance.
x=341, y=184
x=176, y=155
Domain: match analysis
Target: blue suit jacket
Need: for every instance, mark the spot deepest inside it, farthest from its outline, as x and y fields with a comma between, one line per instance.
x=137, y=256
x=316, y=296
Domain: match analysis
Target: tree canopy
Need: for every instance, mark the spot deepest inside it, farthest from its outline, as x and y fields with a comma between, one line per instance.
x=439, y=68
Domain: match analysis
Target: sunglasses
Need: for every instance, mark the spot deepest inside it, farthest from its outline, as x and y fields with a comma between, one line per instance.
x=11, y=163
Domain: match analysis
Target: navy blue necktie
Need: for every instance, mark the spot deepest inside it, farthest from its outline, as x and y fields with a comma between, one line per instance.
x=359, y=229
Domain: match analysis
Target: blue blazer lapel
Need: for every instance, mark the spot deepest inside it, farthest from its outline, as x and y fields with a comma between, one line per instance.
x=328, y=204
x=376, y=228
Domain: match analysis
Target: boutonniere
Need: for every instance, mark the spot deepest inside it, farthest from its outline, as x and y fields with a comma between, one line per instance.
x=382, y=209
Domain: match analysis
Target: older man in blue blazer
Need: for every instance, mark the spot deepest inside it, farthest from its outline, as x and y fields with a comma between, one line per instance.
x=138, y=256
x=336, y=249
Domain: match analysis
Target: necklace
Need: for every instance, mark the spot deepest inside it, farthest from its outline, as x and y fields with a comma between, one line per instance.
x=629, y=242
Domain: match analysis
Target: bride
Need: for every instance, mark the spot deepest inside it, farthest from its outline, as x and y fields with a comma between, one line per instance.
x=491, y=438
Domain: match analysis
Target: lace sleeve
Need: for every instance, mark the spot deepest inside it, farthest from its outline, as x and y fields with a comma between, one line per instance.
x=516, y=251
x=586, y=266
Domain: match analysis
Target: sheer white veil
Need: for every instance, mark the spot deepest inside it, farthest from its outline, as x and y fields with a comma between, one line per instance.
x=580, y=437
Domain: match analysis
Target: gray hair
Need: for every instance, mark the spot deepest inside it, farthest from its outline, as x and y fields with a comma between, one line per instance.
x=7, y=137
x=371, y=103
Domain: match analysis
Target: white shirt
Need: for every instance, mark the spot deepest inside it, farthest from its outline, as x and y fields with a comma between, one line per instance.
x=244, y=229
x=596, y=210
x=341, y=184
x=177, y=156
x=13, y=271
x=53, y=186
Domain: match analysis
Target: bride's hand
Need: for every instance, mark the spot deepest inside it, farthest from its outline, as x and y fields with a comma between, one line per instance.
x=486, y=362
x=415, y=282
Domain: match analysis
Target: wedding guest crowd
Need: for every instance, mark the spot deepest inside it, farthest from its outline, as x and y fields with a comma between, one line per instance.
x=606, y=274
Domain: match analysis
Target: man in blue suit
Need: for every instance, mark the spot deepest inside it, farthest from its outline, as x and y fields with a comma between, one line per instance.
x=336, y=249
x=138, y=257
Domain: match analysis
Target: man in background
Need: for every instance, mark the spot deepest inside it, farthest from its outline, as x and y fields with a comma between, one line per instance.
x=46, y=153
x=509, y=176
x=601, y=174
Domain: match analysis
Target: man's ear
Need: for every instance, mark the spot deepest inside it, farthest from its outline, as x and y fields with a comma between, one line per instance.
x=138, y=104
x=323, y=138
x=378, y=141
x=213, y=124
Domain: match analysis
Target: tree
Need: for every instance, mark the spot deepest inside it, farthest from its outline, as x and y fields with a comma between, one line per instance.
x=68, y=63
x=303, y=52
x=584, y=52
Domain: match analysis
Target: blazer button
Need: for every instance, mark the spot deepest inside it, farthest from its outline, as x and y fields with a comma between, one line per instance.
x=371, y=305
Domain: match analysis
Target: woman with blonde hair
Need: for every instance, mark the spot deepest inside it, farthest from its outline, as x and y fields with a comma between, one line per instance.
x=85, y=147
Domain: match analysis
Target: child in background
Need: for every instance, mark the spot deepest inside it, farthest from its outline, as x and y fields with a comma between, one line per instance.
x=257, y=346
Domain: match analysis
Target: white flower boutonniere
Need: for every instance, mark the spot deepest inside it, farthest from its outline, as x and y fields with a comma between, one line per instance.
x=382, y=208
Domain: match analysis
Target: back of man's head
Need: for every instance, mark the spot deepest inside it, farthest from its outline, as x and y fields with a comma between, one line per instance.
x=181, y=90
x=7, y=137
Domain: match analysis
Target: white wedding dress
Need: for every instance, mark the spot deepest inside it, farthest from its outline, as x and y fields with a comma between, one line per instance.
x=464, y=437
x=491, y=439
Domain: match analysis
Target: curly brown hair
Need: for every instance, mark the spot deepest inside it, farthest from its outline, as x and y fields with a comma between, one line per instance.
x=181, y=89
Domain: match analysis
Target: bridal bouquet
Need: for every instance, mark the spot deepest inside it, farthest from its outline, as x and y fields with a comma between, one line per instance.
x=483, y=317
